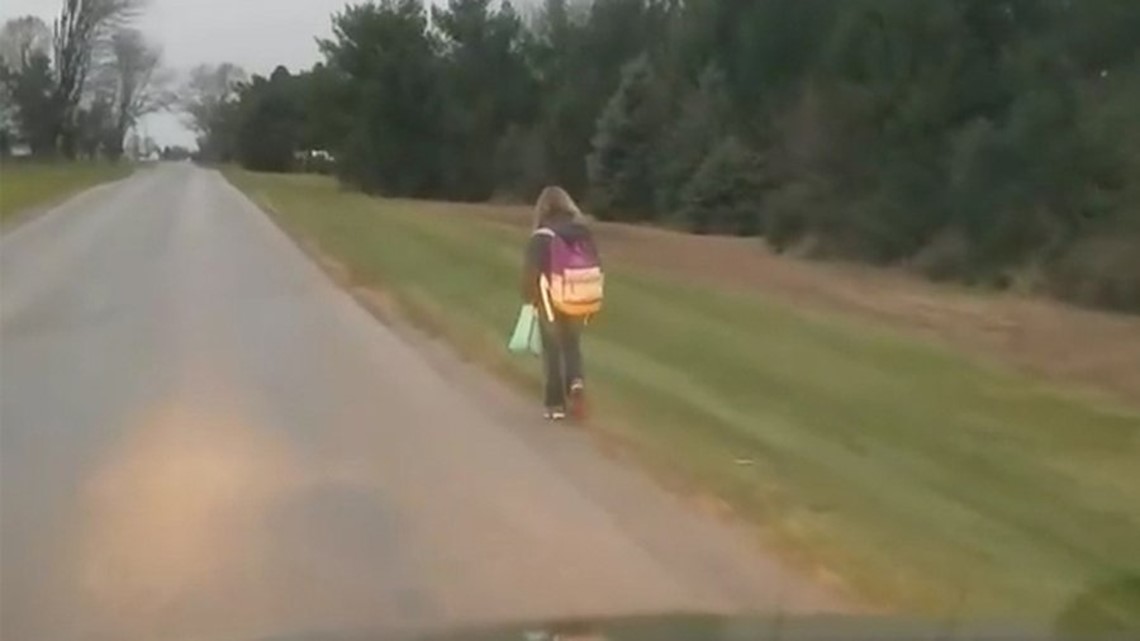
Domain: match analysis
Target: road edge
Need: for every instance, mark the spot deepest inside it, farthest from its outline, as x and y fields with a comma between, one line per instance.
x=25, y=216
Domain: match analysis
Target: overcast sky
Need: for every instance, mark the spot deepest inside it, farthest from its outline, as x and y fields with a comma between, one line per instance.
x=255, y=34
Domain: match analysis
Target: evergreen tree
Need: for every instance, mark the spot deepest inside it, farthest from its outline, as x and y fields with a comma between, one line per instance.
x=704, y=119
x=621, y=165
x=726, y=193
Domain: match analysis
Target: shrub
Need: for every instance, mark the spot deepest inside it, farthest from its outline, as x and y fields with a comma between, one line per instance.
x=726, y=194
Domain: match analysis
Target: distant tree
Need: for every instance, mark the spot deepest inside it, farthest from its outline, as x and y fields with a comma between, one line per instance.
x=95, y=132
x=521, y=164
x=726, y=194
x=705, y=118
x=621, y=165
x=581, y=53
x=488, y=85
x=271, y=128
x=21, y=39
x=26, y=83
x=209, y=100
x=34, y=116
x=763, y=49
x=389, y=60
x=133, y=69
x=82, y=27
x=323, y=94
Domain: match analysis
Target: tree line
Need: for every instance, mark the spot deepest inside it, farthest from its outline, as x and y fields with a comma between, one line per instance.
x=78, y=87
x=988, y=141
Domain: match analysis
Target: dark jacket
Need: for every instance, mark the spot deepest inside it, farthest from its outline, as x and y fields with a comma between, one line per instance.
x=537, y=259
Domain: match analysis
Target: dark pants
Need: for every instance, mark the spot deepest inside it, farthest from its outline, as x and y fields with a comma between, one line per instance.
x=562, y=355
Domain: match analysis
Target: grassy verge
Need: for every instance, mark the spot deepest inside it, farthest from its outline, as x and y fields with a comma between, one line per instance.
x=927, y=482
x=24, y=185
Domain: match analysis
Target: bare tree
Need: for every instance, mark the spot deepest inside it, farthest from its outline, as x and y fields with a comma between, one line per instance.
x=135, y=77
x=82, y=27
x=207, y=100
x=207, y=91
x=21, y=39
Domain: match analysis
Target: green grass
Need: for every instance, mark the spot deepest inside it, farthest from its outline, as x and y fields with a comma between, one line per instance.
x=24, y=185
x=927, y=482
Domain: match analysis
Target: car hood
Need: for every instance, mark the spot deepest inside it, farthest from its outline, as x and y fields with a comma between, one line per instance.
x=701, y=627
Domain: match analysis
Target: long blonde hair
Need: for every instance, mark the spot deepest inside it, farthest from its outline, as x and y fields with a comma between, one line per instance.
x=554, y=203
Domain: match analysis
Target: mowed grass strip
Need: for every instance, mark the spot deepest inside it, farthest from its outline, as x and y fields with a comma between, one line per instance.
x=24, y=185
x=925, y=481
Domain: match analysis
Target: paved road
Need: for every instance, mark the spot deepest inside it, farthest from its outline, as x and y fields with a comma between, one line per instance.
x=203, y=438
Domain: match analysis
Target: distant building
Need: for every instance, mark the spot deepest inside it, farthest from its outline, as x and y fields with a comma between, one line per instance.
x=317, y=161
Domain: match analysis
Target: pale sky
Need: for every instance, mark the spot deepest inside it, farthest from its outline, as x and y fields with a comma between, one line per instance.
x=255, y=34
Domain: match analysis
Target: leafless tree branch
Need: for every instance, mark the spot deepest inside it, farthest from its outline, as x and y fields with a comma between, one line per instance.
x=207, y=91
x=82, y=28
x=20, y=39
x=134, y=75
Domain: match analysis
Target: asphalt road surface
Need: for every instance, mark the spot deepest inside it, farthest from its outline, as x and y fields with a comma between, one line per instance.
x=203, y=438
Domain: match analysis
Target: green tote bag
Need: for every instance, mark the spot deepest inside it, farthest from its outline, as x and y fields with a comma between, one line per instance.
x=526, y=338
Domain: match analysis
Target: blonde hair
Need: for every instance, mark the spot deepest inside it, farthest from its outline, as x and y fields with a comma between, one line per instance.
x=554, y=203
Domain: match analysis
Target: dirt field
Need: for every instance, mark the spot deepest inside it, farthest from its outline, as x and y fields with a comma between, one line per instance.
x=1097, y=351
